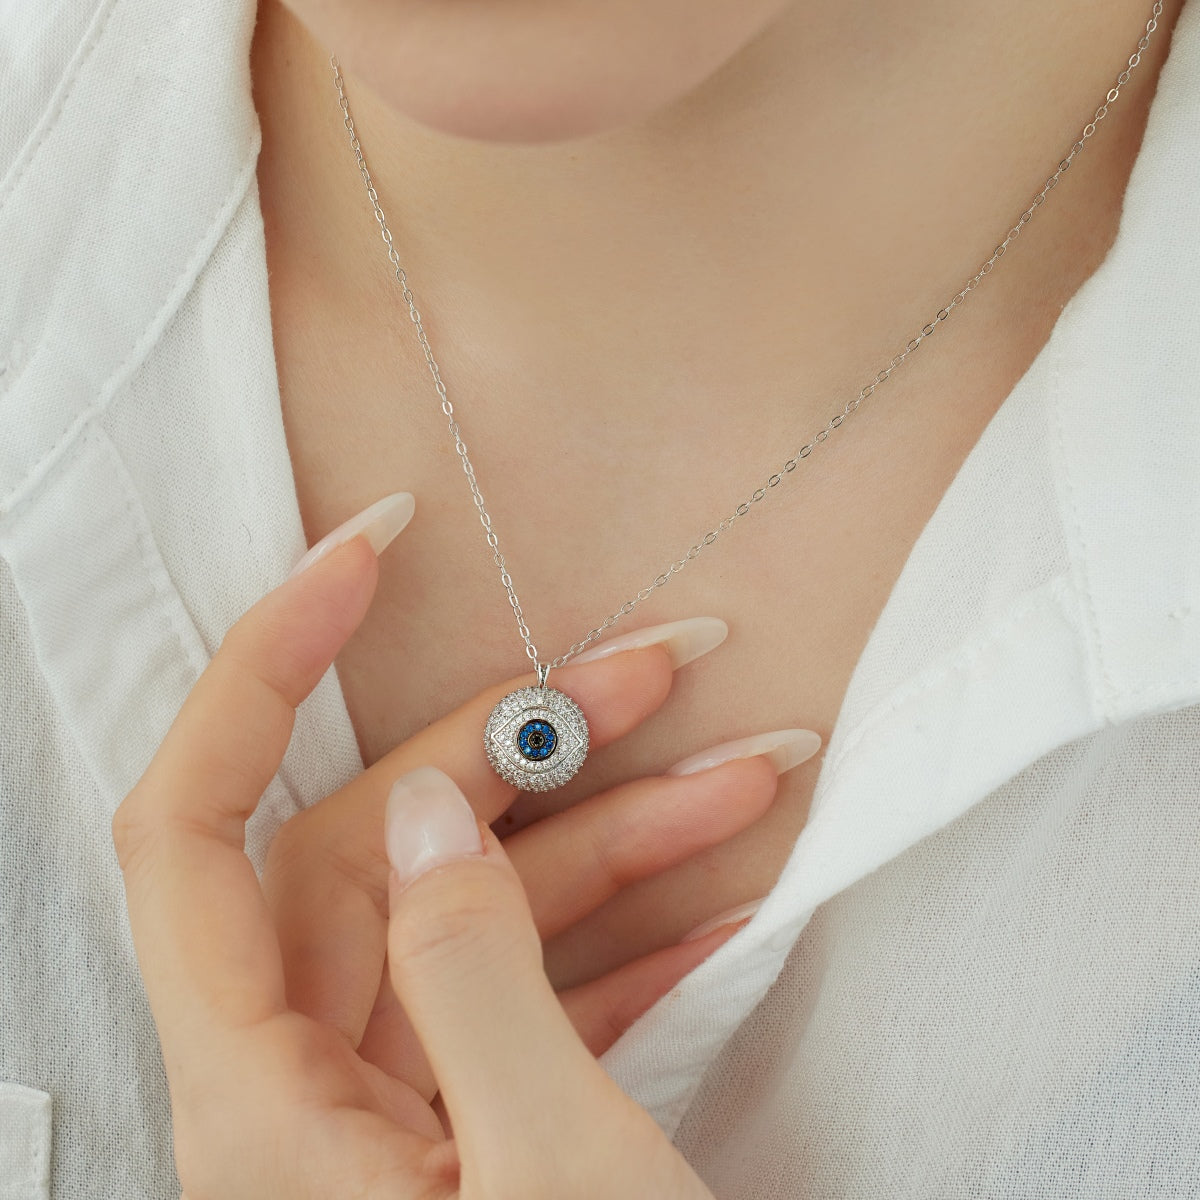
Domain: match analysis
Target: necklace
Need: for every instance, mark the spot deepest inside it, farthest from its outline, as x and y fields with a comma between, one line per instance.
x=536, y=738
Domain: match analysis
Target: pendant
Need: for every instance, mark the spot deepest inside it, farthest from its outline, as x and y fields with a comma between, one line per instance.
x=536, y=737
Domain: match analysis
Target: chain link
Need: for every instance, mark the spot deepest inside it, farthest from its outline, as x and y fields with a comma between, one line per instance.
x=776, y=477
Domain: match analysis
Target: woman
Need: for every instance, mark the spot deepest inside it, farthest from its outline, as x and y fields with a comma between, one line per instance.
x=652, y=253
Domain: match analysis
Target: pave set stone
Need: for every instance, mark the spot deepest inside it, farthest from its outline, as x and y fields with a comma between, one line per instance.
x=536, y=738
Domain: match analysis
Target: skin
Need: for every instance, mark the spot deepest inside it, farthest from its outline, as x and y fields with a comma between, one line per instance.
x=535, y=71
x=647, y=278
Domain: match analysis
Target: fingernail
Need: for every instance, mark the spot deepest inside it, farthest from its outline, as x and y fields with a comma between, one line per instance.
x=684, y=640
x=381, y=522
x=732, y=916
x=786, y=748
x=428, y=822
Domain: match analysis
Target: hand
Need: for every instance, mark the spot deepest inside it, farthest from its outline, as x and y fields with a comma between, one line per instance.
x=326, y=876
x=269, y=1101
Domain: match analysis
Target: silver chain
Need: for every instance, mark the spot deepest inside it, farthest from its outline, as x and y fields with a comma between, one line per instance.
x=788, y=467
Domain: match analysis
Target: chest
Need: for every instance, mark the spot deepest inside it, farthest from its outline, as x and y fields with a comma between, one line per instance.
x=800, y=581
x=592, y=497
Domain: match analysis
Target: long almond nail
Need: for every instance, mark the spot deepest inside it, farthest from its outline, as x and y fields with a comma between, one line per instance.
x=732, y=916
x=785, y=748
x=684, y=640
x=428, y=822
x=380, y=522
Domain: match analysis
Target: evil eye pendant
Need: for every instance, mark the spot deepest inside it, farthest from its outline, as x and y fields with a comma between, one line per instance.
x=536, y=738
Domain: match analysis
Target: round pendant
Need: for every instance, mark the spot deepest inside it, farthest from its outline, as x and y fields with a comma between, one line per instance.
x=536, y=738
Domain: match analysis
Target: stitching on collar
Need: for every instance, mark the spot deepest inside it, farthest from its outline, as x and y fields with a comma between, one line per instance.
x=1104, y=690
x=58, y=102
x=25, y=489
x=1056, y=592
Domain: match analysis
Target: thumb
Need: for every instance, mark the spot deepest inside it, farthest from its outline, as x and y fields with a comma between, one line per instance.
x=466, y=964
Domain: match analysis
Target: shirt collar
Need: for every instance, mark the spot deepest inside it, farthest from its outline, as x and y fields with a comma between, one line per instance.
x=118, y=198
x=1084, y=610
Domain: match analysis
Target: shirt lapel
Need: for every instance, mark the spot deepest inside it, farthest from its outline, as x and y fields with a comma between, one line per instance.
x=146, y=494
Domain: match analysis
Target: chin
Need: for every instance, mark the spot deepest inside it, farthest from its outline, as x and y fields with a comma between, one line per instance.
x=531, y=71
x=523, y=110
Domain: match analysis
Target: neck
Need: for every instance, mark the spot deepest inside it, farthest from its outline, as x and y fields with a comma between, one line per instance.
x=798, y=216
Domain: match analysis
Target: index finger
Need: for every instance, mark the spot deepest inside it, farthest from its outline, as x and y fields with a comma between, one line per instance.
x=203, y=934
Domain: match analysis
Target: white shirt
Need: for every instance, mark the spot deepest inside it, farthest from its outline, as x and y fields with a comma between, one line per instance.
x=979, y=973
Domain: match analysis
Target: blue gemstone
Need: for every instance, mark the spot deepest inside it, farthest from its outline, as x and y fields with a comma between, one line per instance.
x=537, y=740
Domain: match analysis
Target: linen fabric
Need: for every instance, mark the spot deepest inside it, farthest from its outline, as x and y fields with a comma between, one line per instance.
x=979, y=973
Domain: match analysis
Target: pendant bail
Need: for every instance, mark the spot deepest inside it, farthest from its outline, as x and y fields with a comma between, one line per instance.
x=543, y=670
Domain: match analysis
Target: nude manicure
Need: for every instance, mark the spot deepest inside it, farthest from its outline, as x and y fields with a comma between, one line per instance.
x=684, y=640
x=428, y=823
x=732, y=916
x=381, y=522
x=785, y=748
